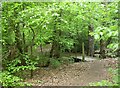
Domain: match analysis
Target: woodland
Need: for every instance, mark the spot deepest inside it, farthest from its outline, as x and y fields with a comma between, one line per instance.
x=59, y=44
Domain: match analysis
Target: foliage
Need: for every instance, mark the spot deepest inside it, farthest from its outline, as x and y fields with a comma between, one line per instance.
x=43, y=60
x=103, y=83
x=66, y=60
x=54, y=63
x=115, y=74
x=107, y=28
x=13, y=66
x=73, y=31
x=7, y=79
x=26, y=26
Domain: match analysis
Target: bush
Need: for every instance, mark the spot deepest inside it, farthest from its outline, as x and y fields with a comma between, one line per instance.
x=9, y=80
x=66, y=60
x=115, y=75
x=43, y=61
x=54, y=63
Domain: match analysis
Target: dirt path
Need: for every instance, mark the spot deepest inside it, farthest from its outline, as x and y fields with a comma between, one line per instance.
x=76, y=74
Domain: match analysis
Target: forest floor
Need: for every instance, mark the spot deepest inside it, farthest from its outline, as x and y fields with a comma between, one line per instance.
x=75, y=74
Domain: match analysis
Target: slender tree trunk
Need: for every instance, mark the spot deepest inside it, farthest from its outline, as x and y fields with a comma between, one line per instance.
x=18, y=39
x=31, y=48
x=24, y=42
x=102, y=48
x=55, y=50
x=91, y=41
x=103, y=42
x=41, y=49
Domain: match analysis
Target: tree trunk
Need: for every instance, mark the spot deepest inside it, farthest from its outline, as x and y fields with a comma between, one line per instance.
x=41, y=48
x=18, y=38
x=91, y=41
x=102, y=48
x=55, y=50
x=31, y=48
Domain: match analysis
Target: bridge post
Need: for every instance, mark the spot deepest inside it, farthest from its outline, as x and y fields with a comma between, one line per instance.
x=83, y=53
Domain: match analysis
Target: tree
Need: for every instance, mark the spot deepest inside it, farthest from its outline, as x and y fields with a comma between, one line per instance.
x=91, y=41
